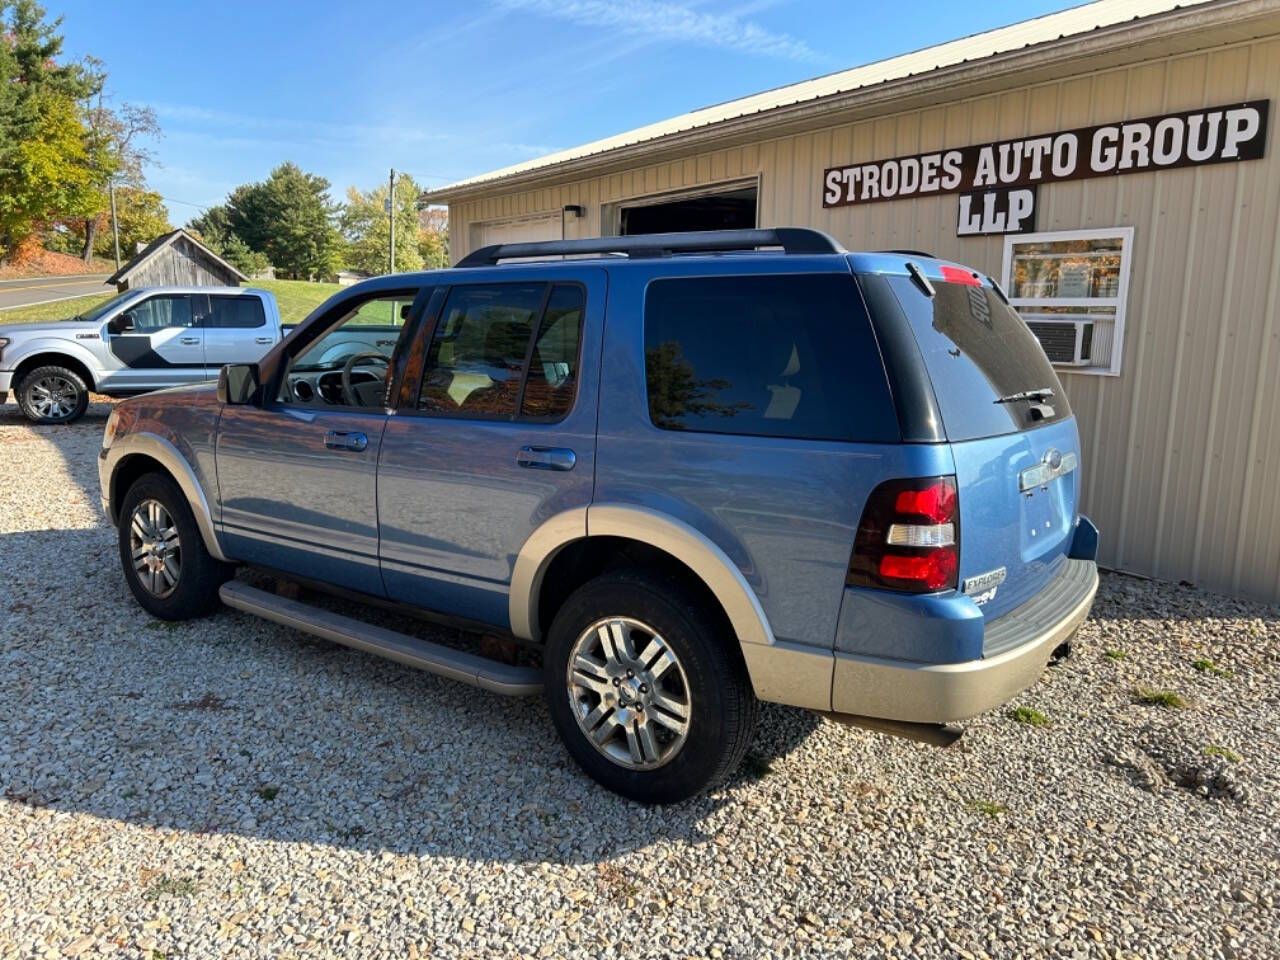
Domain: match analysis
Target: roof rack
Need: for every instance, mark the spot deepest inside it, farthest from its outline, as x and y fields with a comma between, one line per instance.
x=792, y=240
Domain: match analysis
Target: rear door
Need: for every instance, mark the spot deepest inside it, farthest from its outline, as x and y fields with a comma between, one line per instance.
x=496, y=435
x=163, y=348
x=1016, y=460
x=235, y=330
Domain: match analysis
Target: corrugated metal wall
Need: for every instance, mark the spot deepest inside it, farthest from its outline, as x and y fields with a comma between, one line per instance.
x=1183, y=448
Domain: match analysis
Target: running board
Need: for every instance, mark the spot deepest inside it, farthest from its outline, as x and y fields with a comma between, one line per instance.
x=423, y=654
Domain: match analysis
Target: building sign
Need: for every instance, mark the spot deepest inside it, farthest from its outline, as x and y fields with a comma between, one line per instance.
x=997, y=211
x=1190, y=138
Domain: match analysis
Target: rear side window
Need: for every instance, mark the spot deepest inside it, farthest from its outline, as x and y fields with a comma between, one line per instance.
x=772, y=356
x=978, y=350
x=502, y=348
x=236, y=313
x=553, y=365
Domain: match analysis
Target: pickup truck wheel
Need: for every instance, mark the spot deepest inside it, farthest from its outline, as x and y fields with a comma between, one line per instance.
x=648, y=697
x=52, y=395
x=171, y=573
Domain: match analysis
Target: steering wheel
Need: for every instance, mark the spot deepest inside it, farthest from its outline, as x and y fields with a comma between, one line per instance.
x=348, y=391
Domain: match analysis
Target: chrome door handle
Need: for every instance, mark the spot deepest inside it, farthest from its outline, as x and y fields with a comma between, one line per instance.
x=190, y=340
x=262, y=340
x=340, y=440
x=546, y=458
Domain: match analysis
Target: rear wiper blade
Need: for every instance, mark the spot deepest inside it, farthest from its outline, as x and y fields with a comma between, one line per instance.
x=1043, y=393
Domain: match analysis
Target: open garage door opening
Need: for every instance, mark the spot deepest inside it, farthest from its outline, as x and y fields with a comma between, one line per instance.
x=731, y=210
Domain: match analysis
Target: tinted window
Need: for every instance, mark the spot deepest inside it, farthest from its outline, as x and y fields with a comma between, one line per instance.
x=553, y=365
x=476, y=360
x=775, y=356
x=239, y=313
x=160, y=313
x=977, y=349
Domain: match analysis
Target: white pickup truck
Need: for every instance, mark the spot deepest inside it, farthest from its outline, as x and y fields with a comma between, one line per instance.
x=141, y=340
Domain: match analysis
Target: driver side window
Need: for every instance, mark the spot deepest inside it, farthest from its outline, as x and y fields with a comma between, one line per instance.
x=349, y=365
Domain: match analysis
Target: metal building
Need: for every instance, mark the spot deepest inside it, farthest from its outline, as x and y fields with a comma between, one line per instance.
x=1112, y=165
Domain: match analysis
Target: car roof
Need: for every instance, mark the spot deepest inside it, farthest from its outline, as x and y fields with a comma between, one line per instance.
x=195, y=289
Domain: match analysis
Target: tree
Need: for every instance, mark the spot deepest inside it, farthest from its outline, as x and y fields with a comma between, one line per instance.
x=113, y=144
x=367, y=228
x=433, y=237
x=213, y=229
x=237, y=253
x=289, y=218
x=45, y=165
x=141, y=216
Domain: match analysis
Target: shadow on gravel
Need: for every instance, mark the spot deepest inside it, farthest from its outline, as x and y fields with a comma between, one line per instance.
x=235, y=726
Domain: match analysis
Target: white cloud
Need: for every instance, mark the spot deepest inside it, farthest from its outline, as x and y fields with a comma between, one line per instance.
x=672, y=22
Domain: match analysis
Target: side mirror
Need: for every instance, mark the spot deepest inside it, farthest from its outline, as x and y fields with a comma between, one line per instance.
x=238, y=383
x=125, y=323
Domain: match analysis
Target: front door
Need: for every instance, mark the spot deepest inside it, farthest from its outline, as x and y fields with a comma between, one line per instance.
x=297, y=475
x=498, y=436
x=160, y=344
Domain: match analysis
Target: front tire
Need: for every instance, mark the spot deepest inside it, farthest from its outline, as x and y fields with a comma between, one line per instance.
x=648, y=693
x=171, y=573
x=52, y=394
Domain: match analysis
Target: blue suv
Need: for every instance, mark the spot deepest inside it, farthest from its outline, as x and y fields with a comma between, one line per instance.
x=685, y=473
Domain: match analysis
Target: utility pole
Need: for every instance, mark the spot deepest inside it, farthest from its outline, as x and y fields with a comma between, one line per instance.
x=391, y=208
x=115, y=225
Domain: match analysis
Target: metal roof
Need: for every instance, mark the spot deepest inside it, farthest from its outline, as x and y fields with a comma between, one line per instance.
x=1055, y=26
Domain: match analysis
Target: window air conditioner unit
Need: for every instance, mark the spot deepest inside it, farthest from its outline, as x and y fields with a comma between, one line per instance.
x=1067, y=343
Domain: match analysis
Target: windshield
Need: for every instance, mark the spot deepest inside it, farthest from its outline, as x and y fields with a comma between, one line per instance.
x=101, y=309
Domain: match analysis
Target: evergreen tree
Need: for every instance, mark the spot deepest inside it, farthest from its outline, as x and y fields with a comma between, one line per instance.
x=290, y=218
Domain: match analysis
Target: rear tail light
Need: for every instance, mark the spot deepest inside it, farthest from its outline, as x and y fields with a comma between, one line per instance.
x=909, y=537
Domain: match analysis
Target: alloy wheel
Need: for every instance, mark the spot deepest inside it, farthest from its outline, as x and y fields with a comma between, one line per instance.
x=53, y=397
x=629, y=693
x=155, y=548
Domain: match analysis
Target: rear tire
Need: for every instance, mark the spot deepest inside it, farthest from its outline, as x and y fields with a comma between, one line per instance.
x=52, y=394
x=171, y=573
x=648, y=693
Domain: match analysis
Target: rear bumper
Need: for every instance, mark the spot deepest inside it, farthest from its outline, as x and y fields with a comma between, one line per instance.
x=1020, y=644
x=6, y=381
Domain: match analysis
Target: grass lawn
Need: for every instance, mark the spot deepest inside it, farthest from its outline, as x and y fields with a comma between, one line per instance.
x=296, y=298
x=59, y=310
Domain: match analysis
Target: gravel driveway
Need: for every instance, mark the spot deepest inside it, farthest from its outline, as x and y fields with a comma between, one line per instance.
x=231, y=788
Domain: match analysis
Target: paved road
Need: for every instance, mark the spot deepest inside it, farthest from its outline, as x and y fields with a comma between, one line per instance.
x=19, y=293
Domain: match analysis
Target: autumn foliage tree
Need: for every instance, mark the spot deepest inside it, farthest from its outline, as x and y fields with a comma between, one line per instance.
x=46, y=168
x=366, y=225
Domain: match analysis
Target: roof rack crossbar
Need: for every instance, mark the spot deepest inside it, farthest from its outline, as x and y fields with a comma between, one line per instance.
x=792, y=240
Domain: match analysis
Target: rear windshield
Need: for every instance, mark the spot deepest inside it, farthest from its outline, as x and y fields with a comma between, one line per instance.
x=978, y=350
x=766, y=356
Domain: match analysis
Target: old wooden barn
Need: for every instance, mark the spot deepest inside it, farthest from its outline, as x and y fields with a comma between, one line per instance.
x=176, y=259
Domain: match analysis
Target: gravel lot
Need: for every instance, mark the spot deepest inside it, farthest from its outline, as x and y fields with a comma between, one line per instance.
x=231, y=788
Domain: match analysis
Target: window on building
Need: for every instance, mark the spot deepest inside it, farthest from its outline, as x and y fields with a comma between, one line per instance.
x=772, y=356
x=1071, y=287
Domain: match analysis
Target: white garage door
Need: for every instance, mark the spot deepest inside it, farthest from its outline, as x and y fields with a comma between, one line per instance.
x=522, y=230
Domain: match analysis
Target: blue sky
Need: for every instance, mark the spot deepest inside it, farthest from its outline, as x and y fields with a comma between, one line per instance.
x=447, y=90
